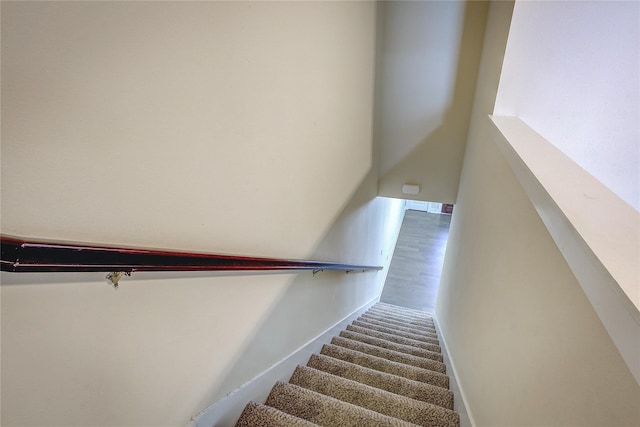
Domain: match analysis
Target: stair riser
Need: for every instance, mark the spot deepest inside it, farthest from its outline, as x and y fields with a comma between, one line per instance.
x=392, y=383
x=255, y=415
x=385, y=369
x=374, y=399
x=392, y=346
x=401, y=316
x=399, y=308
x=397, y=329
x=323, y=410
x=396, y=322
x=395, y=338
x=380, y=364
x=394, y=356
x=402, y=319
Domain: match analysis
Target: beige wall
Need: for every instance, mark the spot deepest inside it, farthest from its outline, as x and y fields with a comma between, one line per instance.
x=526, y=344
x=233, y=127
x=430, y=53
x=582, y=58
x=138, y=123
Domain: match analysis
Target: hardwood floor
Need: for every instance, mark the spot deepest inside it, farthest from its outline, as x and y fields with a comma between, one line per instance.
x=416, y=266
x=414, y=276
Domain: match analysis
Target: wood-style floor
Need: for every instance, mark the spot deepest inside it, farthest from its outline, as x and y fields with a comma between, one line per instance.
x=416, y=265
x=414, y=275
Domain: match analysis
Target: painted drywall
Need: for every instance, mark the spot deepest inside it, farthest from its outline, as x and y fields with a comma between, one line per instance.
x=137, y=123
x=526, y=345
x=571, y=73
x=429, y=59
x=594, y=229
x=159, y=350
x=233, y=127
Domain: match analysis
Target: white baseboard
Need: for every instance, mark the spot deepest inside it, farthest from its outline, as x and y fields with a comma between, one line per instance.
x=459, y=398
x=225, y=412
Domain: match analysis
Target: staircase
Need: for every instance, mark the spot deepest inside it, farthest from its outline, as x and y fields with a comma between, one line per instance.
x=385, y=369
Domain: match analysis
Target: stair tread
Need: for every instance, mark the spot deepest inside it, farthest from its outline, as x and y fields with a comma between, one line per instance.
x=391, y=323
x=385, y=365
x=403, y=310
x=395, y=338
x=414, y=333
x=385, y=369
x=401, y=319
x=325, y=410
x=382, y=380
x=395, y=356
x=384, y=402
x=399, y=314
x=390, y=345
x=257, y=415
x=398, y=308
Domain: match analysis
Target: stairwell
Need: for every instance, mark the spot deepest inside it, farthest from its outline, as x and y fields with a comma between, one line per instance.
x=385, y=369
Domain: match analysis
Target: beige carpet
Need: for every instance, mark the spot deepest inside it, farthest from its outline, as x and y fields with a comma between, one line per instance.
x=385, y=369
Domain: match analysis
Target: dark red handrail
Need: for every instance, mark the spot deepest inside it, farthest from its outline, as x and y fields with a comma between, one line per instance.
x=21, y=255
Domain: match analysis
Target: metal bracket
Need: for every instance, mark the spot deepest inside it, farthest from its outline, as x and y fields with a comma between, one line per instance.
x=116, y=276
x=317, y=271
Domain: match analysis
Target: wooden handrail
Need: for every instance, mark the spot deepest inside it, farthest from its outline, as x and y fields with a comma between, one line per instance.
x=22, y=255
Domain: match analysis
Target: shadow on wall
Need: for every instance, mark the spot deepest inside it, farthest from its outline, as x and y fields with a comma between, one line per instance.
x=310, y=304
x=78, y=345
x=157, y=351
x=84, y=344
x=435, y=163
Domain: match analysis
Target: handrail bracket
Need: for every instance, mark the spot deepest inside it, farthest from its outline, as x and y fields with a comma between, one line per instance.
x=115, y=277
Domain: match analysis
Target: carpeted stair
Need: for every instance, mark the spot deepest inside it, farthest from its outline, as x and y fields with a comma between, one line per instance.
x=385, y=369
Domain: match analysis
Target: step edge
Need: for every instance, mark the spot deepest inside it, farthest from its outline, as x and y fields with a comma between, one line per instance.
x=356, y=408
x=399, y=354
x=435, y=374
x=400, y=318
x=444, y=392
x=391, y=319
x=402, y=311
x=368, y=390
x=259, y=407
x=406, y=350
x=391, y=326
x=416, y=344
